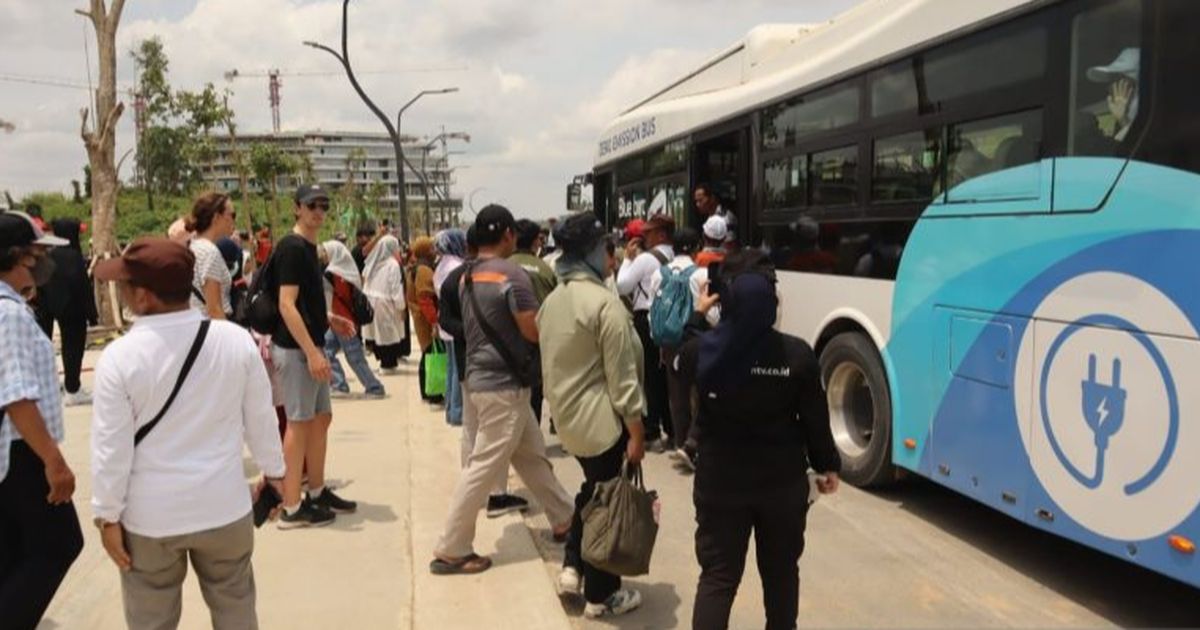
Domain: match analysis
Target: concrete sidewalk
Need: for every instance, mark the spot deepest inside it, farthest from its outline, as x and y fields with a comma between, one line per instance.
x=399, y=460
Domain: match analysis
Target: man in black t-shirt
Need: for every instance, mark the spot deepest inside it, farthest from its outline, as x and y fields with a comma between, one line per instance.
x=301, y=366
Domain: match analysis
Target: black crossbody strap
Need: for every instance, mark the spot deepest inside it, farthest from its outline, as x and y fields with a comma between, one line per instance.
x=490, y=333
x=199, y=296
x=183, y=373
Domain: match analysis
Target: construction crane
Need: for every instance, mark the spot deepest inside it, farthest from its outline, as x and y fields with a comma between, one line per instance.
x=274, y=81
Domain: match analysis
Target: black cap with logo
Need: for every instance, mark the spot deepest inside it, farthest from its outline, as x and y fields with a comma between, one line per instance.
x=306, y=194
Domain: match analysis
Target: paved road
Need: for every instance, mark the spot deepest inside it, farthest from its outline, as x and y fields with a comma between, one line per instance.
x=915, y=556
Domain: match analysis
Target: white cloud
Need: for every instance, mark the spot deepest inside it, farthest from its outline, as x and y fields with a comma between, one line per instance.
x=540, y=81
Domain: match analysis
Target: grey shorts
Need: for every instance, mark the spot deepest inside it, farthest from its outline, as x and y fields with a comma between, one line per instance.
x=303, y=397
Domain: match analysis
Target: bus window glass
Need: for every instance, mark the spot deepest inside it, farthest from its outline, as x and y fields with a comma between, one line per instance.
x=786, y=123
x=677, y=201
x=868, y=249
x=670, y=159
x=894, y=89
x=995, y=144
x=981, y=65
x=907, y=167
x=1106, y=64
x=785, y=182
x=631, y=170
x=835, y=177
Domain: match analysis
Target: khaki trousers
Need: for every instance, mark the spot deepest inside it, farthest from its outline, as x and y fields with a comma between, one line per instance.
x=153, y=592
x=470, y=428
x=508, y=433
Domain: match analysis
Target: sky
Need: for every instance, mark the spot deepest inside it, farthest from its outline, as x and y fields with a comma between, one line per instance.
x=538, y=79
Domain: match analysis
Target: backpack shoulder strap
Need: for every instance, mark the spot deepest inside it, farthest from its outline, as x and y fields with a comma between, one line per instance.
x=183, y=373
x=658, y=255
x=489, y=332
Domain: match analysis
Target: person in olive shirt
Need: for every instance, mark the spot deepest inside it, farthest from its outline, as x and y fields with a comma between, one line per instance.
x=529, y=243
x=592, y=372
x=764, y=421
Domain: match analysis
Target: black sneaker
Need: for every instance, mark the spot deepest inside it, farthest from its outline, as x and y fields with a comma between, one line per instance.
x=327, y=500
x=309, y=515
x=501, y=504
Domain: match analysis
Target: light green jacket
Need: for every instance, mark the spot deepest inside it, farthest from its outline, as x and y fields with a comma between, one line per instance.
x=591, y=364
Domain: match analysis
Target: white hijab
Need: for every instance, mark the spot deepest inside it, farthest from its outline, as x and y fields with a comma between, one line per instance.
x=387, y=247
x=341, y=263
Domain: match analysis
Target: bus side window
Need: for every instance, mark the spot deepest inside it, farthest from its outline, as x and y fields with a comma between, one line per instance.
x=1107, y=101
x=1004, y=143
x=1106, y=89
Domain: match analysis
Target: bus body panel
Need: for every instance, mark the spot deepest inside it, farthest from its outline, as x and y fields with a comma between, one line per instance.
x=1057, y=386
x=815, y=301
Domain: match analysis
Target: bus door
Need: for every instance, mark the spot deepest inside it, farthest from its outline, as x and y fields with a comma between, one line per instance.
x=722, y=159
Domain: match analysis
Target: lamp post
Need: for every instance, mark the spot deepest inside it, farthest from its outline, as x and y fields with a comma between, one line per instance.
x=393, y=130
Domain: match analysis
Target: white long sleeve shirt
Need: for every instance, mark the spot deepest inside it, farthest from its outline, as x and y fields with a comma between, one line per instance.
x=186, y=475
x=633, y=278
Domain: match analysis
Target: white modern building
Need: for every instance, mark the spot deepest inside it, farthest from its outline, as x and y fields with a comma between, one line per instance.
x=337, y=158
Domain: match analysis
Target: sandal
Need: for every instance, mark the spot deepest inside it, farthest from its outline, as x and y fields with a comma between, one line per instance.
x=467, y=565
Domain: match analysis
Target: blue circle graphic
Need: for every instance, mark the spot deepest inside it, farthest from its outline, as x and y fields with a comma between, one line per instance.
x=1112, y=321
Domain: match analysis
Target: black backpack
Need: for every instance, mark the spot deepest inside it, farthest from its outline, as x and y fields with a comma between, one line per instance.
x=360, y=304
x=259, y=310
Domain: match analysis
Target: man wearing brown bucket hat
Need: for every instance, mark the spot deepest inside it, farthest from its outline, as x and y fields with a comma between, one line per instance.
x=175, y=398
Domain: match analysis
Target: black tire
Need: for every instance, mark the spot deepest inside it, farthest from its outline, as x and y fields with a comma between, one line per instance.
x=860, y=409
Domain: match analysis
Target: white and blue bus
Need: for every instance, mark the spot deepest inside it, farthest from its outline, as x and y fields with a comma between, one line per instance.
x=986, y=217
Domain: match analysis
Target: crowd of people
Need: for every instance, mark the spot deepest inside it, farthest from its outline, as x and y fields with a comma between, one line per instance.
x=656, y=338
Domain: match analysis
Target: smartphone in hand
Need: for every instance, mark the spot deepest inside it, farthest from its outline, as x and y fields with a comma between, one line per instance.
x=716, y=285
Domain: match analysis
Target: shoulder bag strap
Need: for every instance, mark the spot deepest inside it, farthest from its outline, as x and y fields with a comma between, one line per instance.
x=489, y=332
x=199, y=296
x=187, y=367
x=662, y=259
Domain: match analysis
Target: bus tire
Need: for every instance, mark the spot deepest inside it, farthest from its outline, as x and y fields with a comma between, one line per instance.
x=860, y=409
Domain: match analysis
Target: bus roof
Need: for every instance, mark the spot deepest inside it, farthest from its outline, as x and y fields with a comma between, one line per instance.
x=775, y=60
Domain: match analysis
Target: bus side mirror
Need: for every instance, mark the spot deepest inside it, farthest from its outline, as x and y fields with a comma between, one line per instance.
x=574, y=197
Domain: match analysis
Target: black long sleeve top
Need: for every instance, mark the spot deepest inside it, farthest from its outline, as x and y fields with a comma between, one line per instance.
x=768, y=432
x=450, y=318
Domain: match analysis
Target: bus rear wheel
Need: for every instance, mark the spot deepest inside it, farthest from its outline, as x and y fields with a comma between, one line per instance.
x=860, y=409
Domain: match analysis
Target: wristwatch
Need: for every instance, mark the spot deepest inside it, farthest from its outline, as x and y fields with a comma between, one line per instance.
x=100, y=523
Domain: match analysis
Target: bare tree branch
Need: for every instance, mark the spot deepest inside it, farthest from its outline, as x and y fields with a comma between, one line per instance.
x=86, y=14
x=114, y=12
x=83, y=130
x=110, y=121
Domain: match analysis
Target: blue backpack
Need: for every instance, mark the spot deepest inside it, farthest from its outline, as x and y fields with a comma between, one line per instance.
x=672, y=306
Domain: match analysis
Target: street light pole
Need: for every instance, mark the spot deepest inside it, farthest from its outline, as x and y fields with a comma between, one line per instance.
x=393, y=130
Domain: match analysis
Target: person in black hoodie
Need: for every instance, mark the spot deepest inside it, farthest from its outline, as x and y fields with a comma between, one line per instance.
x=764, y=421
x=68, y=299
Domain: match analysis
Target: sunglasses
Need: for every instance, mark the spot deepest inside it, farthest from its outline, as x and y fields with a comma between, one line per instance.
x=323, y=207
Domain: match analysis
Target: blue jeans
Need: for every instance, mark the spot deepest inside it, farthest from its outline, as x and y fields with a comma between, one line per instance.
x=454, y=401
x=353, y=348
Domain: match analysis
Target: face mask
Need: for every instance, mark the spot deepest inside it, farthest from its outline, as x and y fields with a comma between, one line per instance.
x=42, y=270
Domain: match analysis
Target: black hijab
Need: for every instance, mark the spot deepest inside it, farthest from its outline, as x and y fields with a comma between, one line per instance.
x=747, y=317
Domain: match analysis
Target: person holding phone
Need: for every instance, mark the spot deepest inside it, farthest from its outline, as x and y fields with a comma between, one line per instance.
x=764, y=422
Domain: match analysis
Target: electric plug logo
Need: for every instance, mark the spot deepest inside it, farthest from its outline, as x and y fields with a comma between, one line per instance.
x=1104, y=411
x=1099, y=409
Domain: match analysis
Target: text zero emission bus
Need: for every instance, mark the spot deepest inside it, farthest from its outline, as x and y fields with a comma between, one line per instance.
x=986, y=217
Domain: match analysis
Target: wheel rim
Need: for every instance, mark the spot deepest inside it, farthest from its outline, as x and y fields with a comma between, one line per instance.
x=851, y=409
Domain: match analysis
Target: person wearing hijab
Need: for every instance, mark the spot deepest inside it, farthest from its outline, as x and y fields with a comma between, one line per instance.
x=342, y=284
x=68, y=299
x=422, y=302
x=592, y=373
x=764, y=422
x=451, y=246
x=384, y=287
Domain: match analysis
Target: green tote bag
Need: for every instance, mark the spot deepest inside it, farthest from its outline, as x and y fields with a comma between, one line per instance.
x=435, y=369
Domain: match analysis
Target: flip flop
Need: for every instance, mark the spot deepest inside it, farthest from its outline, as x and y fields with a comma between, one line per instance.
x=468, y=565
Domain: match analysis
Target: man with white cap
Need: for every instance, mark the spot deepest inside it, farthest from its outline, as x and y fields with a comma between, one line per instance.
x=39, y=529
x=716, y=230
x=1122, y=76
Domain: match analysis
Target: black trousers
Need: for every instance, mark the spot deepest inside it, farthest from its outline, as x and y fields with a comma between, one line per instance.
x=658, y=412
x=777, y=518
x=38, y=541
x=74, y=342
x=597, y=585
x=684, y=431
x=535, y=399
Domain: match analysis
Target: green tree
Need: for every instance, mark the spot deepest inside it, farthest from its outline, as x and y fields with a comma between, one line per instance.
x=269, y=164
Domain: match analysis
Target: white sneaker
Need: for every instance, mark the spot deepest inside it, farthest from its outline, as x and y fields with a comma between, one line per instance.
x=81, y=397
x=618, y=603
x=569, y=582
